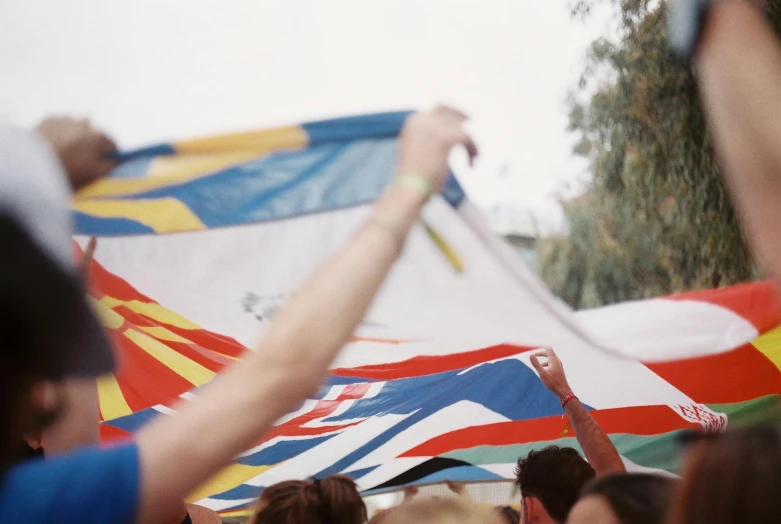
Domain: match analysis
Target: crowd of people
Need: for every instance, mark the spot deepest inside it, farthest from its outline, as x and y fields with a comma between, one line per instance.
x=52, y=348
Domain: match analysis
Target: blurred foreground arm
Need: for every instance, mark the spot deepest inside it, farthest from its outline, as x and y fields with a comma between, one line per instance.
x=180, y=452
x=600, y=451
x=739, y=72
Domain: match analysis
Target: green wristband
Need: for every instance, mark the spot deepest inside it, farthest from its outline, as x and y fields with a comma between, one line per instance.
x=415, y=182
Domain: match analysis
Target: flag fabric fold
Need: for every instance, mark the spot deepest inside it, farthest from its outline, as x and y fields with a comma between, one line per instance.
x=202, y=241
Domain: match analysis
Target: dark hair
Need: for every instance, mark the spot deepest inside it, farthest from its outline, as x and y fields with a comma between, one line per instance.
x=635, y=498
x=509, y=514
x=730, y=479
x=32, y=291
x=554, y=475
x=332, y=500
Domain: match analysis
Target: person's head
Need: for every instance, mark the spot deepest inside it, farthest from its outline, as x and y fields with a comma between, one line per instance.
x=551, y=480
x=730, y=479
x=444, y=510
x=508, y=514
x=30, y=357
x=330, y=500
x=47, y=331
x=625, y=498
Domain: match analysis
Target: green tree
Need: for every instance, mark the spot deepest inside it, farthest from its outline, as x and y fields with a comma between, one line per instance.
x=655, y=218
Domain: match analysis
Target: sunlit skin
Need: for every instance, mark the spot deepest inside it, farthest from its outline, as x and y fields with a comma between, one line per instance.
x=534, y=512
x=593, y=509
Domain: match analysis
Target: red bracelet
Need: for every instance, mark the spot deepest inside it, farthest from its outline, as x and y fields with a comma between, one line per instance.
x=566, y=398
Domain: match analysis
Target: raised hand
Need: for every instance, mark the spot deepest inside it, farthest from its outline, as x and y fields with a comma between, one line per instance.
x=86, y=259
x=410, y=492
x=551, y=372
x=457, y=488
x=426, y=141
x=85, y=153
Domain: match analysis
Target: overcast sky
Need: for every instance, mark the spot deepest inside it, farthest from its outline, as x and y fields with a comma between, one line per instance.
x=155, y=70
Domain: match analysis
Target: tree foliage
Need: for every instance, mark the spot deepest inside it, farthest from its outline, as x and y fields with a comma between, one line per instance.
x=656, y=218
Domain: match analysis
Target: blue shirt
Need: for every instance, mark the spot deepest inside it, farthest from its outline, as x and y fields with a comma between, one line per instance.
x=90, y=486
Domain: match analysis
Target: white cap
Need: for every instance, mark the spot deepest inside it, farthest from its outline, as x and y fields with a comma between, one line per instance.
x=34, y=194
x=34, y=190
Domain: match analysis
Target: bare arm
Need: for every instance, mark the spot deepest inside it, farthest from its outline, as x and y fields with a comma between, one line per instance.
x=739, y=72
x=600, y=451
x=180, y=452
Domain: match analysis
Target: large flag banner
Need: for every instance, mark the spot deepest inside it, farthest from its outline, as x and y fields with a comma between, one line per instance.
x=202, y=241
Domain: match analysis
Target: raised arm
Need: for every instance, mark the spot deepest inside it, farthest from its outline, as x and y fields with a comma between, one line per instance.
x=600, y=451
x=180, y=452
x=85, y=263
x=739, y=73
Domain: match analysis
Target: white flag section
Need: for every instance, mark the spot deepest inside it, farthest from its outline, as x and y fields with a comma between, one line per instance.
x=232, y=280
x=436, y=384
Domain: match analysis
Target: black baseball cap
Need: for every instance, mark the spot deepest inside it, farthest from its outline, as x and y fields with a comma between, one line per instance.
x=43, y=303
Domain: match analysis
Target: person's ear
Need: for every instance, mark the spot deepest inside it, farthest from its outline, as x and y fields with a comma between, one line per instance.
x=534, y=509
x=44, y=403
x=529, y=504
x=44, y=396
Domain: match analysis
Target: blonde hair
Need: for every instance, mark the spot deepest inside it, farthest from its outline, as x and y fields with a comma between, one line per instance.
x=451, y=510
